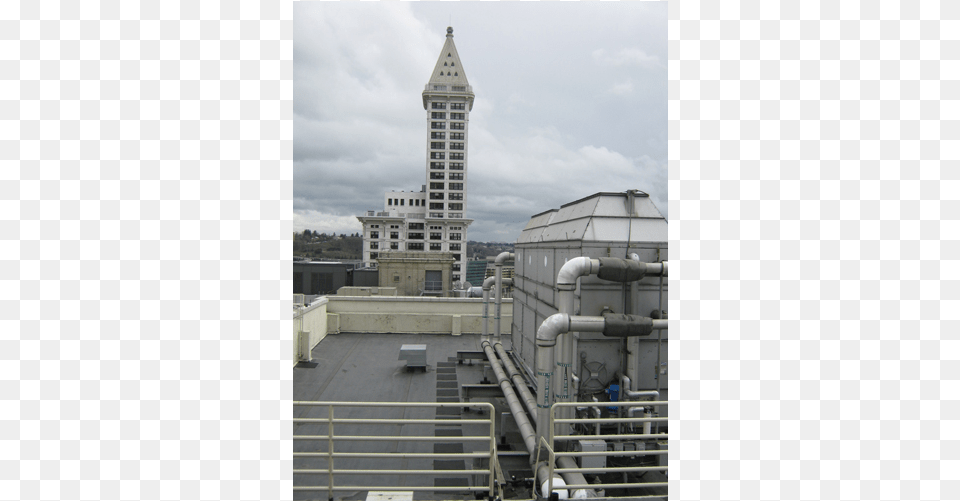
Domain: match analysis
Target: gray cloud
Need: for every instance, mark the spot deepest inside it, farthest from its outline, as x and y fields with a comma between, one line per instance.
x=571, y=100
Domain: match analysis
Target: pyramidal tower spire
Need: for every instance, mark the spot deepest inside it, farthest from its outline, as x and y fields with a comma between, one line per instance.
x=449, y=69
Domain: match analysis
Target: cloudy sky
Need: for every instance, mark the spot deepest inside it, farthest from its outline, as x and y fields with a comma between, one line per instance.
x=571, y=100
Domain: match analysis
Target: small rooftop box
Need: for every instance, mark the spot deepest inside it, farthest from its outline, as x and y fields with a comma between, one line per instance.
x=415, y=355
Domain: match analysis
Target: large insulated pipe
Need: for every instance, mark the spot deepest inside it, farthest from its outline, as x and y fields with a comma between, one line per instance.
x=567, y=277
x=527, y=432
x=498, y=274
x=529, y=401
x=606, y=268
x=486, y=305
x=550, y=329
x=613, y=325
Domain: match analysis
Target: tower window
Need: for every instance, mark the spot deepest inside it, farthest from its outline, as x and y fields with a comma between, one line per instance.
x=444, y=64
x=455, y=73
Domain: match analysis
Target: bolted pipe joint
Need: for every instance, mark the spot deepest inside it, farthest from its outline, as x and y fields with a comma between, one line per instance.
x=553, y=326
x=575, y=268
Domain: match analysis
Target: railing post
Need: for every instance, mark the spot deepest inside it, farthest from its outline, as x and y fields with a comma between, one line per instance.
x=493, y=453
x=330, y=453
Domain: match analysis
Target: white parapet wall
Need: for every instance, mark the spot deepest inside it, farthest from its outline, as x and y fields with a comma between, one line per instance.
x=395, y=315
x=312, y=319
x=413, y=315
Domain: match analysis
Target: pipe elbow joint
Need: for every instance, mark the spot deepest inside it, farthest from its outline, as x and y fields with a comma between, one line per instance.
x=576, y=268
x=502, y=257
x=488, y=283
x=552, y=327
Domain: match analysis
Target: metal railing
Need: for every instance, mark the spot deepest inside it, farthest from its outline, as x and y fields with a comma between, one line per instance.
x=433, y=286
x=552, y=438
x=331, y=454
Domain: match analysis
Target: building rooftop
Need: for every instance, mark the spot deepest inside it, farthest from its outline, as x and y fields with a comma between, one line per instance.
x=367, y=368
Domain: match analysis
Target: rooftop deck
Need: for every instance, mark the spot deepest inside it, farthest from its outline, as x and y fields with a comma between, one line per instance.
x=366, y=368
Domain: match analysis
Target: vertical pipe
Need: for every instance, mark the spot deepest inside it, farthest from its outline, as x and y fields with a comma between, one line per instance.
x=660, y=331
x=498, y=274
x=486, y=306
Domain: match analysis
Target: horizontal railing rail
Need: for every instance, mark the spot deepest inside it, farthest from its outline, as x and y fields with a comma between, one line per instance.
x=330, y=438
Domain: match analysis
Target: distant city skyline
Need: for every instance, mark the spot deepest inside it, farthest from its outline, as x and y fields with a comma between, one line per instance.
x=571, y=99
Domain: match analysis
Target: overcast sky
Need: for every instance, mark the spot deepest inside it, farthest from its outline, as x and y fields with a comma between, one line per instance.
x=571, y=100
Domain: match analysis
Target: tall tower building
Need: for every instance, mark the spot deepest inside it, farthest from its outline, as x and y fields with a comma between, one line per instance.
x=433, y=219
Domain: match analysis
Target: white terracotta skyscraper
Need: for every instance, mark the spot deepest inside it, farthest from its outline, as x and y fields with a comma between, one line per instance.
x=433, y=219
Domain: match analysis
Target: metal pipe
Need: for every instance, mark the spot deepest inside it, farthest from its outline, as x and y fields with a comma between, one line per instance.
x=530, y=439
x=660, y=332
x=499, y=301
x=529, y=401
x=498, y=275
x=526, y=430
x=632, y=344
x=486, y=305
x=599, y=414
x=646, y=414
x=626, y=384
x=567, y=278
x=547, y=334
